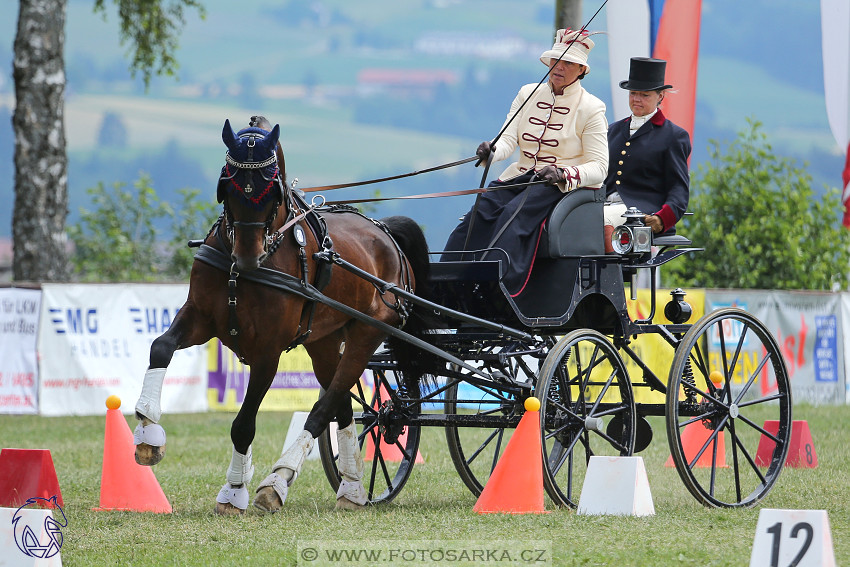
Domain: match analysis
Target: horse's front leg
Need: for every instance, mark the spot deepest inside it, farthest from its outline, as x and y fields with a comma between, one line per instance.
x=149, y=436
x=233, y=496
x=337, y=375
x=273, y=490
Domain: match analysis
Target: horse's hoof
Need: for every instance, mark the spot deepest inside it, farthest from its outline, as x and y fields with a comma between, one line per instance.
x=227, y=509
x=267, y=500
x=148, y=455
x=343, y=503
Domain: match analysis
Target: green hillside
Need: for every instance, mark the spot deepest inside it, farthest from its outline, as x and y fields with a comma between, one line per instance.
x=302, y=64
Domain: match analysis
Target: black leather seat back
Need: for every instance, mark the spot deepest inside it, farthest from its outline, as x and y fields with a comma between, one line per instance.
x=575, y=226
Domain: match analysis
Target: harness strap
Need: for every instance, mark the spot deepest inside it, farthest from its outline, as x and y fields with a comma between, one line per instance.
x=290, y=284
x=233, y=322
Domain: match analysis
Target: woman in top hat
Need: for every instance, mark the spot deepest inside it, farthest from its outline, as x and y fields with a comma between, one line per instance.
x=648, y=156
x=561, y=132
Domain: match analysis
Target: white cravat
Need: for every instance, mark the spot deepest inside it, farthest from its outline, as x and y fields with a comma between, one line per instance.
x=638, y=121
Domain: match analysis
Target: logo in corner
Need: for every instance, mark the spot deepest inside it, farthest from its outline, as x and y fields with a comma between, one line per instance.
x=28, y=539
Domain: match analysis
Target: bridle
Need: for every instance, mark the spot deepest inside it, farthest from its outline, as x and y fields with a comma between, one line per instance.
x=251, y=194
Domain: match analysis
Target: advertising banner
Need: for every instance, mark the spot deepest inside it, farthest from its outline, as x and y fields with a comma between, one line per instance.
x=294, y=387
x=19, y=309
x=94, y=341
x=651, y=348
x=807, y=327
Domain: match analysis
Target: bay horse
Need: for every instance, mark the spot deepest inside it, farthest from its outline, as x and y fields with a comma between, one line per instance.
x=263, y=230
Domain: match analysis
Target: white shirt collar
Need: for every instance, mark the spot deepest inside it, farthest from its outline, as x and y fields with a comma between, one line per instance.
x=638, y=121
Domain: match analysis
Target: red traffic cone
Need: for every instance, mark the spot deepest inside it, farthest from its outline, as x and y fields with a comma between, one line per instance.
x=125, y=484
x=694, y=436
x=516, y=484
x=801, y=449
x=27, y=473
x=389, y=452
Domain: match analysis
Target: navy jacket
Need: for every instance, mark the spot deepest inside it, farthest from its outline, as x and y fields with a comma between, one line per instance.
x=650, y=169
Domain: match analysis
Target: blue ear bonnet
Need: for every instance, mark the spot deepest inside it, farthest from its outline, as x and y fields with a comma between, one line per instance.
x=250, y=151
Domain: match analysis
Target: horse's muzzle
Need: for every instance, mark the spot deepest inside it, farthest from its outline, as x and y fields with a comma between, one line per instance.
x=248, y=263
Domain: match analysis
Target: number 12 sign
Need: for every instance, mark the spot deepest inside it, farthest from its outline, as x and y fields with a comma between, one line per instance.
x=792, y=538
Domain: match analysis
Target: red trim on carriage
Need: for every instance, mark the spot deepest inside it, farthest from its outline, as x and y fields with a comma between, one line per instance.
x=534, y=257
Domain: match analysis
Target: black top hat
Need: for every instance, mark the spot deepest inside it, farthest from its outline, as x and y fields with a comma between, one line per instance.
x=646, y=74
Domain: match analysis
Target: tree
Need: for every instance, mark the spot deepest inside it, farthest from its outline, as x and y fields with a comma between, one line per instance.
x=41, y=164
x=119, y=239
x=761, y=224
x=113, y=132
x=568, y=14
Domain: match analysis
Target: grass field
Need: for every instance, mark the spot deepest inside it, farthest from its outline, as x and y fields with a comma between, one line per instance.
x=434, y=505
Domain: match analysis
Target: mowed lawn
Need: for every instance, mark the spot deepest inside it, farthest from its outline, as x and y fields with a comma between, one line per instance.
x=434, y=505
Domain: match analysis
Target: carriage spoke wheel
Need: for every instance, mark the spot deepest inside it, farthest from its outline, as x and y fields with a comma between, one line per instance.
x=389, y=449
x=476, y=450
x=586, y=409
x=728, y=409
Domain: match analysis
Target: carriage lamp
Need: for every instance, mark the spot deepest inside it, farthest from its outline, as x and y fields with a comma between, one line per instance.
x=677, y=309
x=633, y=236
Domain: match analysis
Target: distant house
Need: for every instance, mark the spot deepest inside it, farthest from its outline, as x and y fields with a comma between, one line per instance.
x=463, y=44
x=406, y=82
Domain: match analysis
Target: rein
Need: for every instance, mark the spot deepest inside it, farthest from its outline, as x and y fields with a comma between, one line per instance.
x=434, y=195
x=390, y=178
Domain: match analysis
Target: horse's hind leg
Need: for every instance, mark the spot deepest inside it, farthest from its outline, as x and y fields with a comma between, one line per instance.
x=149, y=436
x=351, y=494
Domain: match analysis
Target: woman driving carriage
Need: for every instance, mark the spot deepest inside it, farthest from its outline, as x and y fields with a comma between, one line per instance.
x=561, y=131
x=649, y=156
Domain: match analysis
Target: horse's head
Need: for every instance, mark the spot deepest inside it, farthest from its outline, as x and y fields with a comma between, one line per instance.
x=251, y=191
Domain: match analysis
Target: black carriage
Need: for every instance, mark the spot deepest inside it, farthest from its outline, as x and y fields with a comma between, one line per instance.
x=569, y=341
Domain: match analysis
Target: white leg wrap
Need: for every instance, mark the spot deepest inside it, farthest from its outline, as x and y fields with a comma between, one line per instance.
x=353, y=491
x=241, y=469
x=350, y=463
x=278, y=483
x=148, y=404
x=293, y=458
x=238, y=497
x=152, y=434
x=350, y=466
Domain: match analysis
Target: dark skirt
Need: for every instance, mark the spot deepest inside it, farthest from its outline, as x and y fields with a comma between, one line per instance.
x=510, y=220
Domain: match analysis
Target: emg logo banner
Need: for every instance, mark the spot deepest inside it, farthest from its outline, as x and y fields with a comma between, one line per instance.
x=74, y=321
x=39, y=541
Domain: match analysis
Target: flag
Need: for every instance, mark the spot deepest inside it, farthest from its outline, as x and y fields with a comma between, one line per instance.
x=835, y=43
x=664, y=29
x=846, y=193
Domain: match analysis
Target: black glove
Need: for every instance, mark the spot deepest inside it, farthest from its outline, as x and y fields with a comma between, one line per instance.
x=551, y=174
x=484, y=149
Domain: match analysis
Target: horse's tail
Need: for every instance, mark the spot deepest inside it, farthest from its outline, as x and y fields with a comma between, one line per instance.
x=414, y=362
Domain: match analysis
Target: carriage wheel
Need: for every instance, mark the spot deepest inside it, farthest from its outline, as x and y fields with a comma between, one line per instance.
x=727, y=381
x=389, y=450
x=476, y=450
x=586, y=409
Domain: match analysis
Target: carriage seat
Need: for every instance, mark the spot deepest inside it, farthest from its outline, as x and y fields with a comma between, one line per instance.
x=574, y=228
x=671, y=240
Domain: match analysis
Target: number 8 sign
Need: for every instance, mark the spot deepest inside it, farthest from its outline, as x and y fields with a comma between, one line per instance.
x=792, y=538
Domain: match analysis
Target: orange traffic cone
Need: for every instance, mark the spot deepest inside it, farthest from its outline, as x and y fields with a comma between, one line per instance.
x=389, y=452
x=125, y=484
x=516, y=484
x=25, y=474
x=694, y=436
